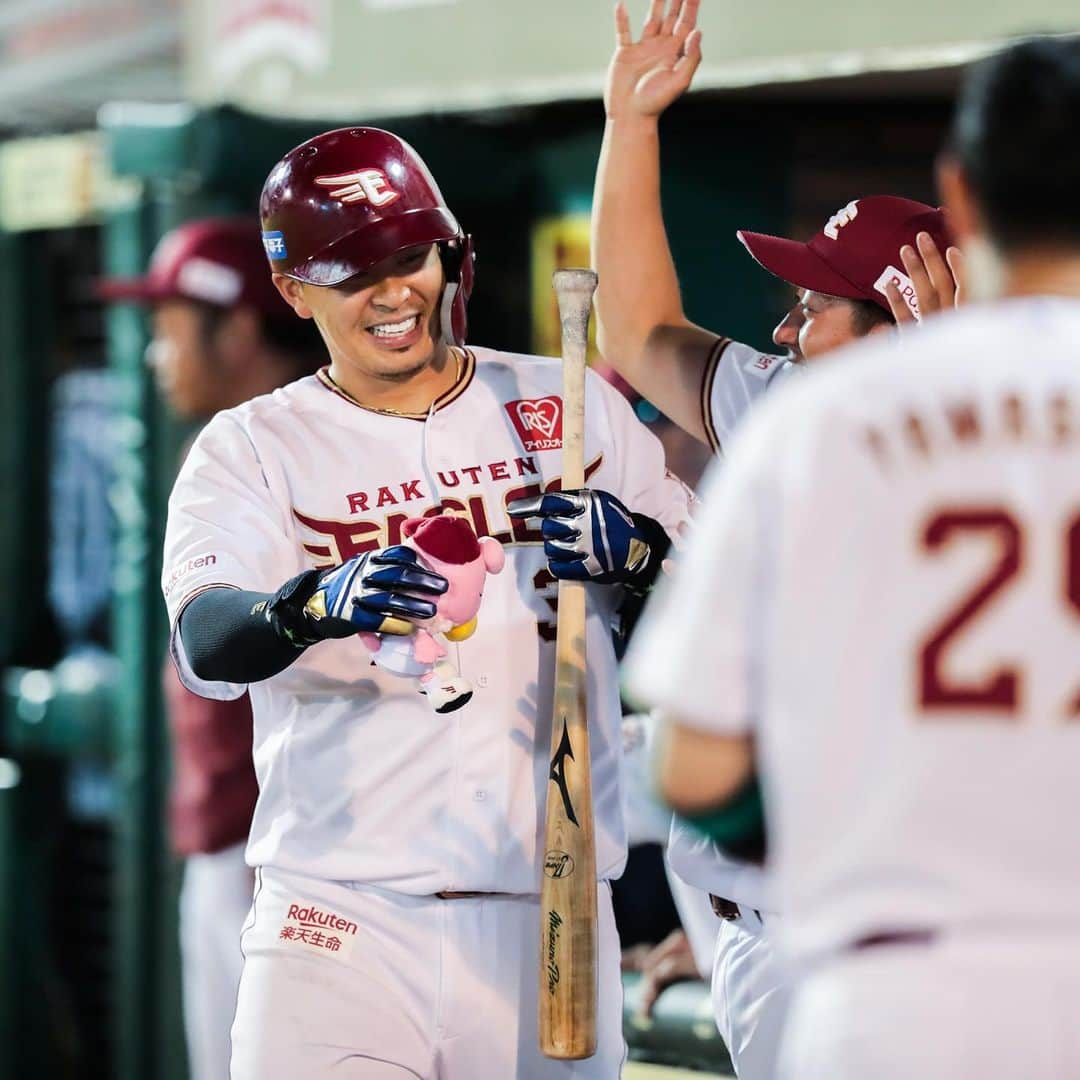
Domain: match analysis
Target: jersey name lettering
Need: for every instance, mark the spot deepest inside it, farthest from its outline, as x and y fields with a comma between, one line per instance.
x=1003, y=418
x=336, y=541
x=341, y=540
x=361, y=502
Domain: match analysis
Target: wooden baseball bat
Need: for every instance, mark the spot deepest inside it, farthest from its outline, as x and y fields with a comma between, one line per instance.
x=568, y=893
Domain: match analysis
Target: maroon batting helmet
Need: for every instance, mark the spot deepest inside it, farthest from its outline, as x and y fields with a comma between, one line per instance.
x=338, y=204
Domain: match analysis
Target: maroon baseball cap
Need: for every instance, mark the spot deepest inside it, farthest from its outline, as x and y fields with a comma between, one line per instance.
x=857, y=251
x=217, y=261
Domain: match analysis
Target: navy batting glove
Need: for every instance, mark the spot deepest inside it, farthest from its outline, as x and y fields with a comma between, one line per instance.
x=379, y=592
x=590, y=536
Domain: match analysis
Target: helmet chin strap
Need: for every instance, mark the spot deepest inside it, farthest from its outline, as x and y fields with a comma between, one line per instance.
x=446, y=323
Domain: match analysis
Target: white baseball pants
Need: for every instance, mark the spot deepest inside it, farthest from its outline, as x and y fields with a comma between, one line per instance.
x=349, y=981
x=750, y=996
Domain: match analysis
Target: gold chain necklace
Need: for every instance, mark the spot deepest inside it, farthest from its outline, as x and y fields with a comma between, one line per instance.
x=459, y=360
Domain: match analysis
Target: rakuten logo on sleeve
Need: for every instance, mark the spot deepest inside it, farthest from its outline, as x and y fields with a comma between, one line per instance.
x=538, y=422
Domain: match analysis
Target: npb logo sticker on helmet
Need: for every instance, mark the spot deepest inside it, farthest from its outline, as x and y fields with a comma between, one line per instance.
x=370, y=184
x=274, y=243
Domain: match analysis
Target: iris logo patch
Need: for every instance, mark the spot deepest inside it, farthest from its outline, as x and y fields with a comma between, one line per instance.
x=538, y=422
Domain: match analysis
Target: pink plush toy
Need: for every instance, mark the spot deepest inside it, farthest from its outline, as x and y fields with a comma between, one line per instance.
x=447, y=545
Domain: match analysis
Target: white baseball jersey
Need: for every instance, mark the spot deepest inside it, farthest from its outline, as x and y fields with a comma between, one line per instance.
x=359, y=779
x=704, y=864
x=885, y=588
x=735, y=377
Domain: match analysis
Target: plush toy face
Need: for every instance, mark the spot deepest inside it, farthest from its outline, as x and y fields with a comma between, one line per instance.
x=448, y=545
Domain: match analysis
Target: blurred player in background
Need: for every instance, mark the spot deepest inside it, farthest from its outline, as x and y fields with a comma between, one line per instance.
x=221, y=335
x=686, y=951
x=881, y=610
x=874, y=264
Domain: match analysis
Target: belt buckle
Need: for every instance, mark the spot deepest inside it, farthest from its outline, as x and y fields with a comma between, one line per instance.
x=724, y=909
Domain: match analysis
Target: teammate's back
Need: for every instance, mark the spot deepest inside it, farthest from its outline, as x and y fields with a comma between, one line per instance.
x=936, y=711
x=890, y=634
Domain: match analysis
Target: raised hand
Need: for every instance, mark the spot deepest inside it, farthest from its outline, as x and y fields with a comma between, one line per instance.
x=939, y=282
x=646, y=76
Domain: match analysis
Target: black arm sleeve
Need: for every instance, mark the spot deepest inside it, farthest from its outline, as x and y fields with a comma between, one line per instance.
x=229, y=638
x=635, y=595
x=659, y=545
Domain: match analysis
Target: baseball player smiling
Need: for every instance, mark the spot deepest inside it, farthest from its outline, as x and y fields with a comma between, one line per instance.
x=394, y=927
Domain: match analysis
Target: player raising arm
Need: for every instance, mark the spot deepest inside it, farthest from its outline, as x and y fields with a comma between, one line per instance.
x=876, y=262
x=641, y=326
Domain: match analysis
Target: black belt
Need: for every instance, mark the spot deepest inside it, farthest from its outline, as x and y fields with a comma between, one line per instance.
x=447, y=894
x=895, y=937
x=728, y=909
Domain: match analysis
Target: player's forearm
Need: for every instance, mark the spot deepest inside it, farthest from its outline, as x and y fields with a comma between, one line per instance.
x=639, y=288
x=699, y=771
x=737, y=824
x=227, y=637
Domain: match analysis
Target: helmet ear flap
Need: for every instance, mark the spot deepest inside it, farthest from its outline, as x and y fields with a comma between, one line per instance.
x=448, y=314
x=458, y=261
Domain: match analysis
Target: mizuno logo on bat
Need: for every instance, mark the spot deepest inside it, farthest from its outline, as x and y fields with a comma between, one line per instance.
x=364, y=184
x=558, y=772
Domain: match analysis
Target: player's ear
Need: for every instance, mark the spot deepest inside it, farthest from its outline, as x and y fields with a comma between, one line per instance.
x=292, y=292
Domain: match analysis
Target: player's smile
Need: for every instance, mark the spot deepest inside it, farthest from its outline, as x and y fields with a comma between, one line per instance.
x=398, y=334
x=394, y=333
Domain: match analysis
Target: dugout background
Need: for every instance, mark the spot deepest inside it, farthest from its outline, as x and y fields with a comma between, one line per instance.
x=88, y=968
x=795, y=112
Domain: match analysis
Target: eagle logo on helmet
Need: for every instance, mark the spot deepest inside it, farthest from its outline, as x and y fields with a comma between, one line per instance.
x=363, y=184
